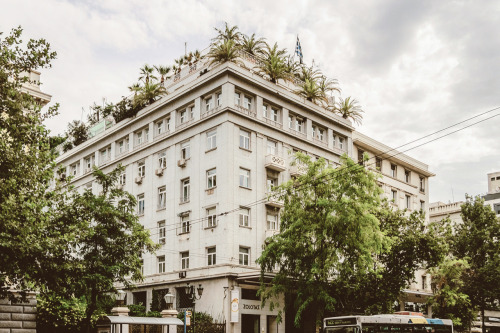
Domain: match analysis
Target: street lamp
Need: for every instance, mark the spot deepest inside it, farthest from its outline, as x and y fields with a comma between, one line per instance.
x=169, y=300
x=191, y=294
x=120, y=297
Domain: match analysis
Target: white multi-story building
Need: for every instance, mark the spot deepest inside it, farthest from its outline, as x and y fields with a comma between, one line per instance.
x=216, y=144
x=492, y=198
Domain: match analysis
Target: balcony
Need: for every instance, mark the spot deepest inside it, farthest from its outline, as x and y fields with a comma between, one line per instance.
x=276, y=163
x=298, y=170
x=273, y=200
x=271, y=233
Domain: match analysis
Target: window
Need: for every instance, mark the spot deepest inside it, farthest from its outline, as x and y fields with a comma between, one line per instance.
x=422, y=205
x=211, y=139
x=244, y=217
x=167, y=124
x=162, y=197
x=105, y=154
x=314, y=132
x=161, y=232
x=422, y=184
x=89, y=163
x=244, y=139
x=244, y=177
x=74, y=169
x=211, y=178
x=139, y=138
x=183, y=116
x=141, y=169
x=424, y=282
x=185, y=260
x=123, y=146
x=123, y=178
x=209, y=104
x=185, y=225
x=274, y=114
x=361, y=157
x=211, y=217
x=290, y=122
x=185, y=190
x=299, y=125
x=191, y=111
x=321, y=134
x=211, y=256
x=408, y=201
x=142, y=266
x=271, y=184
x=146, y=134
x=334, y=140
x=407, y=176
x=378, y=163
x=140, y=204
x=244, y=255
x=272, y=221
x=219, y=99
x=247, y=102
x=161, y=264
x=237, y=98
x=185, y=150
x=272, y=147
x=341, y=143
x=160, y=127
x=162, y=160
x=393, y=171
x=394, y=195
x=265, y=112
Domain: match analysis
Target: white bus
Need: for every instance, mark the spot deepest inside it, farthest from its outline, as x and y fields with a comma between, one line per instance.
x=387, y=323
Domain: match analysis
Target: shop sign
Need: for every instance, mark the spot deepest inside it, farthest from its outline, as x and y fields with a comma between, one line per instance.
x=235, y=305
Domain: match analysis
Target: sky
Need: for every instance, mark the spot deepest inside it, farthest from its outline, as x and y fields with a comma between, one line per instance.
x=416, y=67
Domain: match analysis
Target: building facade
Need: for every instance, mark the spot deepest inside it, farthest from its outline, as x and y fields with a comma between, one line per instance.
x=201, y=162
x=492, y=198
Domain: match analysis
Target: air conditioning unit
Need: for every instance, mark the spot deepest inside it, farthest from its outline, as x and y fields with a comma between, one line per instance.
x=182, y=274
x=138, y=180
x=181, y=163
x=159, y=172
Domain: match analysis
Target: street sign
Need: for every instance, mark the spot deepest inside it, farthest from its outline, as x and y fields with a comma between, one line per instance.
x=188, y=313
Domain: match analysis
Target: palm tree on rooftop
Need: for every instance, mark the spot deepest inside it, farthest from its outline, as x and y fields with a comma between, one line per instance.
x=292, y=66
x=135, y=88
x=146, y=73
x=228, y=33
x=163, y=72
x=273, y=64
x=349, y=108
x=224, y=51
x=197, y=56
x=253, y=45
x=150, y=92
x=327, y=87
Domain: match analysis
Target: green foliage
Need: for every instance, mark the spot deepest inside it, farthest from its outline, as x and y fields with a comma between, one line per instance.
x=224, y=51
x=273, y=64
x=449, y=300
x=109, y=242
x=329, y=233
x=78, y=132
x=202, y=322
x=28, y=238
x=349, y=108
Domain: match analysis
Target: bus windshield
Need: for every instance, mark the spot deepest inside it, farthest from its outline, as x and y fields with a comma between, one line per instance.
x=344, y=329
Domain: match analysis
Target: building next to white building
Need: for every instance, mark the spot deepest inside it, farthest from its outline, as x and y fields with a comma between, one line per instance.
x=492, y=198
x=217, y=143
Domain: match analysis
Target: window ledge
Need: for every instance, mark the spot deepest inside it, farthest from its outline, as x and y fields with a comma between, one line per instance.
x=245, y=227
x=184, y=202
x=211, y=227
x=210, y=189
x=183, y=233
x=246, y=188
x=246, y=149
x=161, y=208
x=211, y=149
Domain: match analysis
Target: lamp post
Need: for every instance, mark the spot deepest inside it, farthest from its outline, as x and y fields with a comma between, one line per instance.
x=120, y=309
x=169, y=312
x=191, y=294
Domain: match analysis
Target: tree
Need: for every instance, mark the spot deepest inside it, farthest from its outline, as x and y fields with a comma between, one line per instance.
x=28, y=238
x=329, y=232
x=224, y=51
x=449, y=300
x=227, y=34
x=253, y=45
x=146, y=73
x=273, y=64
x=476, y=239
x=349, y=108
x=78, y=132
x=109, y=243
x=412, y=244
x=163, y=72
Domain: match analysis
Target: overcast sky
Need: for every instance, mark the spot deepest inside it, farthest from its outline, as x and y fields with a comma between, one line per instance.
x=415, y=66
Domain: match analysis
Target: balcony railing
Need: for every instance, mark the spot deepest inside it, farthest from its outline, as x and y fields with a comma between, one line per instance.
x=275, y=162
x=161, y=135
x=298, y=169
x=274, y=123
x=246, y=111
x=210, y=112
x=298, y=133
x=273, y=200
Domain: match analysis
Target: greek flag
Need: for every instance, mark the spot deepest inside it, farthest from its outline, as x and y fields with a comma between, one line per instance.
x=298, y=50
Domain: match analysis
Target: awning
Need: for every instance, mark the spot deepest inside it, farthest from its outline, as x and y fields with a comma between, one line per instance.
x=107, y=320
x=435, y=321
x=418, y=321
